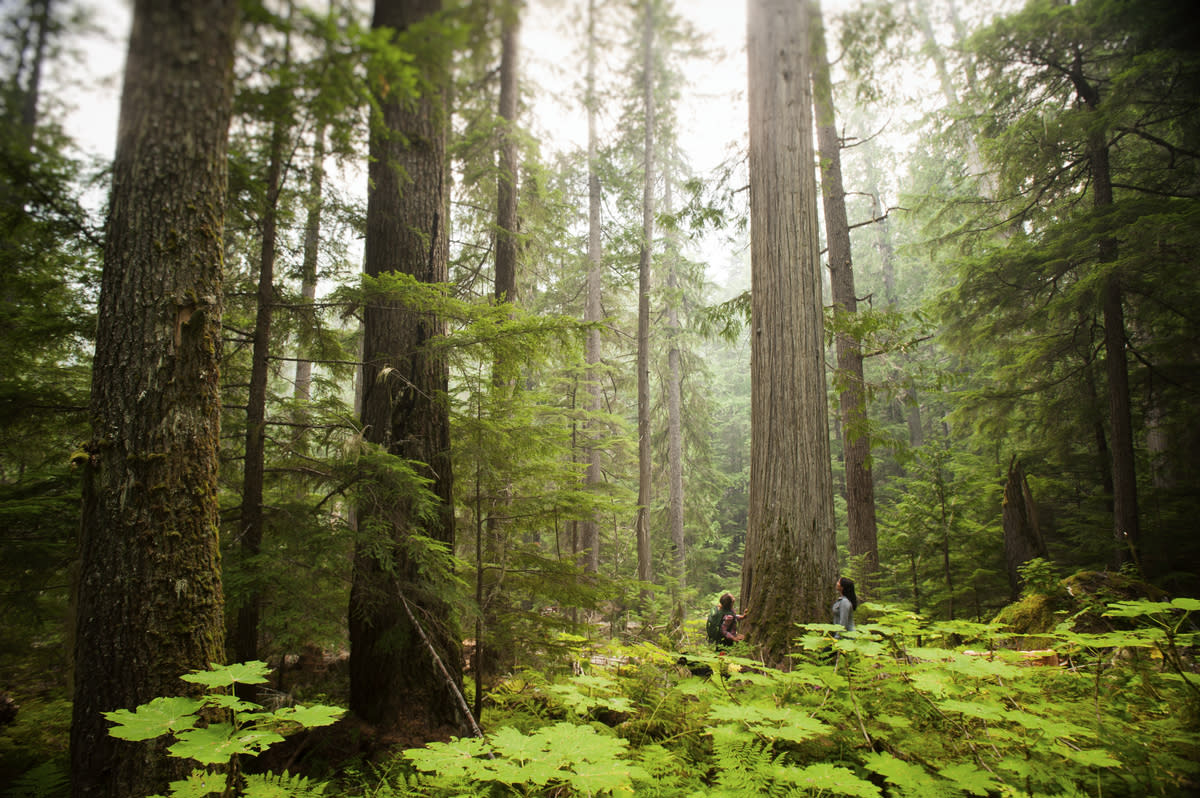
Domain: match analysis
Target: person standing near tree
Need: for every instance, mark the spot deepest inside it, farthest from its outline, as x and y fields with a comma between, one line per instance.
x=846, y=604
x=729, y=634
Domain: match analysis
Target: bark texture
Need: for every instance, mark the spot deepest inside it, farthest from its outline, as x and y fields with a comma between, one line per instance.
x=393, y=678
x=642, y=524
x=506, y=189
x=1126, y=524
x=852, y=396
x=674, y=409
x=1022, y=534
x=589, y=530
x=790, y=558
x=149, y=594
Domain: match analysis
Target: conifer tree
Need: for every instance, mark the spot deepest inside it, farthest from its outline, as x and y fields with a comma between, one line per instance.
x=149, y=596
x=405, y=650
x=790, y=557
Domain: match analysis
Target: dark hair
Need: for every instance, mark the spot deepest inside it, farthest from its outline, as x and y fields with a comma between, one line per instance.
x=727, y=602
x=848, y=590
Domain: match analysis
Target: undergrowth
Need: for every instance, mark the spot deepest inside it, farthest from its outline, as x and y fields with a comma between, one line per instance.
x=894, y=710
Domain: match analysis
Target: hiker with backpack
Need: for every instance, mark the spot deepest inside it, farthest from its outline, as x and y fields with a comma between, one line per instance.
x=723, y=623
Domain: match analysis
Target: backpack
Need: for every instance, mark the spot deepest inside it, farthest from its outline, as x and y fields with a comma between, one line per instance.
x=714, y=624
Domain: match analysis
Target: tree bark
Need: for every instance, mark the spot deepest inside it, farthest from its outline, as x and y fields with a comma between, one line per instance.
x=589, y=528
x=393, y=678
x=790, y=556
x=1126, y=526
x=149, y=596
x=1022, y=533
x=302, y=387
x=252, y=519
x=852, y=398
x=506, y=188
x=642, y=524
x=674, y=414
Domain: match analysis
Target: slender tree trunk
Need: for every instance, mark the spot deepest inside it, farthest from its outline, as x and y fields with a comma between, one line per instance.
x=302, y=387
x=149, y=595
x=589, y=529
x=852, y=399
x=790, y=556
x=33, y=89
x=393, y=678
x=674, y=413
x=506, y=188
x=1126, y=525
x=492, y=603
x=245, y=642
x=642, y=525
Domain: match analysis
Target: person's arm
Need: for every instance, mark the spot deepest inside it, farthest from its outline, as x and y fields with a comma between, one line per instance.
x=727, y=627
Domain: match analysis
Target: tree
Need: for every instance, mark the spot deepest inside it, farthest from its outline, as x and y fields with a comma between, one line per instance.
x=589, y=530
x=1092, y=108
x=645, y=254
x=396, y=604
x=790, y=559
x=852, y=396
x=149, y=593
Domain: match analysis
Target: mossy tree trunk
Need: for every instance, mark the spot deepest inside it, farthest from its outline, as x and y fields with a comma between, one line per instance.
x=149, y=594
x=393, y=679
x=790, y=557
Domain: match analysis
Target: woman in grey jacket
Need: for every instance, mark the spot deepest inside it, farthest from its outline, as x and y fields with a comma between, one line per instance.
x=846, y=604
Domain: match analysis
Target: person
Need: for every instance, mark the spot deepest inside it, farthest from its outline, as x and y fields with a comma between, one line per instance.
x=729, y=622
x=846, y=604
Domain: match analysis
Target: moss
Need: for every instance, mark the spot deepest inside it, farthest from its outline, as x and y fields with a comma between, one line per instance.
x=1083, y=597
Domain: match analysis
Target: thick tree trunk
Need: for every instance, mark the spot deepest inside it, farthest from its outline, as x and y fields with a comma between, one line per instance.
x=642, y=524
x=852, y=398
x=149, y=595
x=589, y=529
x=790, y=557
x=1022, y=533
x=393, y=678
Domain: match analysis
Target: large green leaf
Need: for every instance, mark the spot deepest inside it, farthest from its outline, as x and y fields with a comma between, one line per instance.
x=253, y=672
x=216, y=743
x=160, y=716
x=826, y=779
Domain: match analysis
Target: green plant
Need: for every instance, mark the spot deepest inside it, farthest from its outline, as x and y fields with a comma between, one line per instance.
x=1038, y=577
x=217, y=727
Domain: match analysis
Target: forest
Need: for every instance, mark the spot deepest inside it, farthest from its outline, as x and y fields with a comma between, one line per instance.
x=387, y=409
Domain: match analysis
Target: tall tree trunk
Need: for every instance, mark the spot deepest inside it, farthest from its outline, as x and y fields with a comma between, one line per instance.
x=33, y=88
x=245, y=639
x=642, y=525
x=490, y=600
x=1126, y=526
x=506, y=188
x=790, y=556
x=593, y=313
x=302, y=386
x=852, y=398
x=393, y=677
x=674, y=411
x=149, y=604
